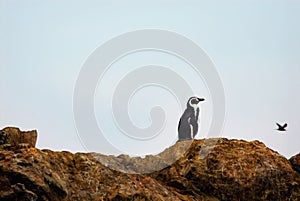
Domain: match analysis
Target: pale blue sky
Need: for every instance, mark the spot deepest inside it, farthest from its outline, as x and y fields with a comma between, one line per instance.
x=255, y=46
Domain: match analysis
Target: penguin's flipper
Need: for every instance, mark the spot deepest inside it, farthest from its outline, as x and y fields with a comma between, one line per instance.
x=179, y=124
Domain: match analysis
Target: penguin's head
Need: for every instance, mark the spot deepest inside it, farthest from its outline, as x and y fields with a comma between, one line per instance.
x=193, y=101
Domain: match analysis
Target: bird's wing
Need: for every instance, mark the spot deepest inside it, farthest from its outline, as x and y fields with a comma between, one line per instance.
x=185, y=115
x=285, y=125
x=278, y=125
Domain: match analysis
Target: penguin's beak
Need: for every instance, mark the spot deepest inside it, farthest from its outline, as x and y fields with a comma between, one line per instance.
x=201, y=99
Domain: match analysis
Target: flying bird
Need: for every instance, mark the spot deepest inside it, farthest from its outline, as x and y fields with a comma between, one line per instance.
x=189, y=121
x=281, y=128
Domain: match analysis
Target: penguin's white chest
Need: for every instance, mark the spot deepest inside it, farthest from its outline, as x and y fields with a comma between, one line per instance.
x=195, y=107
x=191, y=127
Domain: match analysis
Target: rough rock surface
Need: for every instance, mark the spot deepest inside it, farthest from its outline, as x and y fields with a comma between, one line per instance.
x=295, y=161
x=233, y=170
x=211, y=170
x=149, y=164
x=11, y=137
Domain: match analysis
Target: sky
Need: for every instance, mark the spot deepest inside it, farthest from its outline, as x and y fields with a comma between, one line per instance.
x=253, y=45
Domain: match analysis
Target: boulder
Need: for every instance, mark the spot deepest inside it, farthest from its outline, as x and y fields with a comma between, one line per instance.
x=11, y=137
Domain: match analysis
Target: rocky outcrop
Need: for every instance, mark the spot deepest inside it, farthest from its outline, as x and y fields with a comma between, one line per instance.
x=210, y=170
x=56, y=176
x=233, y=170
x=12, y=137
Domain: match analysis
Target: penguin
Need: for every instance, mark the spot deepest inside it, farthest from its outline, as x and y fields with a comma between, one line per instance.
x=189, y=121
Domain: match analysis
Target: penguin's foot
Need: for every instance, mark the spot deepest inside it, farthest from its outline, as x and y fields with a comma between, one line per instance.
x=184, y=139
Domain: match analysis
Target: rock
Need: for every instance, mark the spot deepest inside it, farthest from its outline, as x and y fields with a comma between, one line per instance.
x=233, y=170
x=148, y=164
x=22, y=193
x=295, y=161
x=11, y=137
x=59, y=176
x=203, y=170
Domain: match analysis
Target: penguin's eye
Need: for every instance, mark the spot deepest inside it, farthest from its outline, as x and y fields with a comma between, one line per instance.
x=194, y=101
